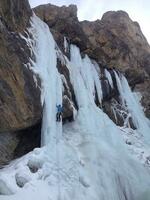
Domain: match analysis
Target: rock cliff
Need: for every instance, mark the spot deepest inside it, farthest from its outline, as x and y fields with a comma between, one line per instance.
x=20, y=106
x=19, y=97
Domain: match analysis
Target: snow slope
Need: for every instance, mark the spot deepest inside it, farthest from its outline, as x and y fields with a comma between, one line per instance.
x=87, y=159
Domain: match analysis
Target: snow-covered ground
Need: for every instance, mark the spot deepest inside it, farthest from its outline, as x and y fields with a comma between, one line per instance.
x=90, y=158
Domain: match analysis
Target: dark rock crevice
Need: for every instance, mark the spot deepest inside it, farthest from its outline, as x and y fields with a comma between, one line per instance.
x=16, y=144
x=29, y=139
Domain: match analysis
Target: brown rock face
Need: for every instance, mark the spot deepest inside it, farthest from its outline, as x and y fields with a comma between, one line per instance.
x=114, y=41
x=119, y=42
x=63, y=21
x=120, y=39
x=19, y=98
x=20, y=106
x=15, y=14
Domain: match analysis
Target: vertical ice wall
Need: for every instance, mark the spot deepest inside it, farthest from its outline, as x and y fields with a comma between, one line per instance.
x=45, y=67
x=85, y=80
x=88, y=79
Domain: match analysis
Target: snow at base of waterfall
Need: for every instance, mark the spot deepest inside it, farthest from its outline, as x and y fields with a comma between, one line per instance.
x=88, y=159
x=88, y=167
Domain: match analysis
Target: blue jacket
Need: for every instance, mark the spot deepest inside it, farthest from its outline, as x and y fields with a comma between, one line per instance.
x=59, y=108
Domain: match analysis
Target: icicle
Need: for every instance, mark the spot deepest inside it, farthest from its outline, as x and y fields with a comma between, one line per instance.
x=115, y=115
x=126, y=121
x=108, y=76
x=97, y=82
x=119, y=86
x=65, y=44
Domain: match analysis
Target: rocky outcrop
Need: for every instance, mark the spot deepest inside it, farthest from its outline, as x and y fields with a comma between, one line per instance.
x=20, y=106
x=114, y=41
x=19, y=96
x=63, y=21
x=15, y=14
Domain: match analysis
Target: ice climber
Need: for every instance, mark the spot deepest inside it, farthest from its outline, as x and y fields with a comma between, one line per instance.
x=59, y=112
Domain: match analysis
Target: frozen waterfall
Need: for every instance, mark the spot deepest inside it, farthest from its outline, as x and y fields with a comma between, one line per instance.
x=130, y=100
x=86, y=159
